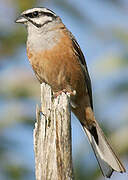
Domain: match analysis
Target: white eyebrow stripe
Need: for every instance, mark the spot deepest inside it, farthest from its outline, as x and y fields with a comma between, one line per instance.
x=45, y=10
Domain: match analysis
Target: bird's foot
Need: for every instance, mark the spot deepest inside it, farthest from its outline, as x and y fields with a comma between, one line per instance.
x=68, y=92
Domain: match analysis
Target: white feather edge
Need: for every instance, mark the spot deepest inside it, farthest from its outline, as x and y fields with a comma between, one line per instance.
x=106, y=157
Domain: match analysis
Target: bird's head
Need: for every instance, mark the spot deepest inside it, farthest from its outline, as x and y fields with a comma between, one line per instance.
x=38, y=17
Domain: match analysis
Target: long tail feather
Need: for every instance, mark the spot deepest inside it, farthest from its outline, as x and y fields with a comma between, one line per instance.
x=106, y=157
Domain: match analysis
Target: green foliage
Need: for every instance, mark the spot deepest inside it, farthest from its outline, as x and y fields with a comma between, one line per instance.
x=23, y=4
x=15, y=172
x=11, y=41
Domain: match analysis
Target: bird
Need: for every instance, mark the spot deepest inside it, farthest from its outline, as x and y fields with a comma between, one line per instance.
x=58, y=60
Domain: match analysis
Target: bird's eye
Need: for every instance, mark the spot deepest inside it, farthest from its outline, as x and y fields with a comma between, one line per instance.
x=35, y=14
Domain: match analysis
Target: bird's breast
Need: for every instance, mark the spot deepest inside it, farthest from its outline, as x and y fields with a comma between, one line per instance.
x=58, y=66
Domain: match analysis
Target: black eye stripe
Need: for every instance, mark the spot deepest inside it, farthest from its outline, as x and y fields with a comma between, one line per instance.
x=29, y=15
x=49, y=14
x=32, y=15
x=38, y=14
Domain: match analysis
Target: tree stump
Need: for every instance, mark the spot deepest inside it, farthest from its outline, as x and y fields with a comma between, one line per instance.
x=52, y=137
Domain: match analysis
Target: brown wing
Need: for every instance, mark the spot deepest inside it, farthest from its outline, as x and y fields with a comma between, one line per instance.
x=84, y=65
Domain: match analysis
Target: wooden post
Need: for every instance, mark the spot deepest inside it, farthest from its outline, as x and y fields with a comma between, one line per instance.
x=52, y=137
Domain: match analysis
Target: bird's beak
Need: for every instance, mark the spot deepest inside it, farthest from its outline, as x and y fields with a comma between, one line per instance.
x=21, y=19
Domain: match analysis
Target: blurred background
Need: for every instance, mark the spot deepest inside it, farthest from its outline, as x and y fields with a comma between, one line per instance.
x=101, y=29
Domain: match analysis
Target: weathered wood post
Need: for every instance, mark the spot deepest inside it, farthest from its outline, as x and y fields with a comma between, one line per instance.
x=52, y=137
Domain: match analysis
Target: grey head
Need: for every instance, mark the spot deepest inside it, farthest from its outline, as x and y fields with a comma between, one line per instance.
x=40, y=22
x=38, y=17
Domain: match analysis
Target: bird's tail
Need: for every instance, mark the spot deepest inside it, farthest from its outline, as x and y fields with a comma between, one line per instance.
x=107, y=159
